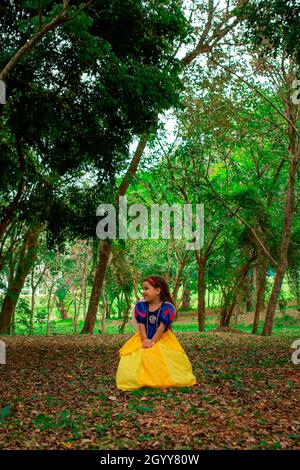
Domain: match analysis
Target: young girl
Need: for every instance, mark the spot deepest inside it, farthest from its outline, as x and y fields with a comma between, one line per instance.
x=153, y=357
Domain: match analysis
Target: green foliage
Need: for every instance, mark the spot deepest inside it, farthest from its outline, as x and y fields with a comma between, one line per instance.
x=41, y=315
x=274, y=25
x=78, y=98
x=22, y=314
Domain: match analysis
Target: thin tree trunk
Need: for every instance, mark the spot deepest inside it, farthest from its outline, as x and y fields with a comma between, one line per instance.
x=186, y=298
x=126, y=314
x=60, y=303
x=201, y=294
x=84, y=299
x=261, y=270
x=168, y=273
x=49, y=309
x=104, y=312
x=248, y=293
x=77, y=311
x=32, y=302
x=12, y=330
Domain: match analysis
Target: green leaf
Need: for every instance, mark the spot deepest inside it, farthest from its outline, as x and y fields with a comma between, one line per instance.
x=5, y=411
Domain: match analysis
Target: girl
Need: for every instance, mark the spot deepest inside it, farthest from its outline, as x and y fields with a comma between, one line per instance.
x=153, y=357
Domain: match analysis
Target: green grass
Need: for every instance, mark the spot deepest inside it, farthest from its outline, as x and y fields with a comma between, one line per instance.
x=284, y=325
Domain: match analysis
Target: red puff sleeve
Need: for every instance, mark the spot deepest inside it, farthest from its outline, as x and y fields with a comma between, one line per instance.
x=168, y=314
x=140, y=315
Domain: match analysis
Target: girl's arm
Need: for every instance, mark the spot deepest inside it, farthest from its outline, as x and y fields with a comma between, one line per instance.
x=159, y=332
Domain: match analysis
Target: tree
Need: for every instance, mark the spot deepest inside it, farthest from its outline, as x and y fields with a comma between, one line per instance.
x=215, y=24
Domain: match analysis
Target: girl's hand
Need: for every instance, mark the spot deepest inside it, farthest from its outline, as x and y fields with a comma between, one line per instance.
x=147, y=343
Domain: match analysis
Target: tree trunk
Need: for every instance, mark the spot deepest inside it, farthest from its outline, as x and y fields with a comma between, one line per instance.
x=27, y=257
x=90, y=320
x=261, y=270
x=178, y=278
x=286, y=231
x=77, y=311
x=32, y=302
x=249, y=293
x=186, y=298
x=225, y=306
x=168, y=273
x=84, y=299
x=60, y=303
x=103, y=318
x=126, y=314
x=201, y=295
x=49, y=309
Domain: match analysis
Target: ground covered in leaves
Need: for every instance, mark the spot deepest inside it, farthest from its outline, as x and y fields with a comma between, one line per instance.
x=59, y=392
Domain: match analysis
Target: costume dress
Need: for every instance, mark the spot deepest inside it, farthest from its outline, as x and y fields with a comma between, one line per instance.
x=165, y=364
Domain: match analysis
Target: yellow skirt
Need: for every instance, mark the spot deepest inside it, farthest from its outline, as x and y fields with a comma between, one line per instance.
x=165, y=364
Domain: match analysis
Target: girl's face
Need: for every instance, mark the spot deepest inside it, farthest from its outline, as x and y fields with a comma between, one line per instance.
x=151, y=293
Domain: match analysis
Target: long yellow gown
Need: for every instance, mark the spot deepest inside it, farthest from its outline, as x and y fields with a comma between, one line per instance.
x=165, y=364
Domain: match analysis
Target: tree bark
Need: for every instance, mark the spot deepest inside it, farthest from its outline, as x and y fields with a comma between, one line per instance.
x=248, y=293
x=261, y=269
x=126, y=314
x=103, y=318
x=201, y=294
x=186, y=298
x=60, y=303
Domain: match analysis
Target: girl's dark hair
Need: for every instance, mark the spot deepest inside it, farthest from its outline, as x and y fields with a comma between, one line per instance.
x=157, y=281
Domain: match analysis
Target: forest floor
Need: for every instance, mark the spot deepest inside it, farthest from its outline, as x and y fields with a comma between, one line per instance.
x=59, y=392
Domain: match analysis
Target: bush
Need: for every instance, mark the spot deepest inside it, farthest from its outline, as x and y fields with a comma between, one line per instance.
x=41, y=315
x=22, y=314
